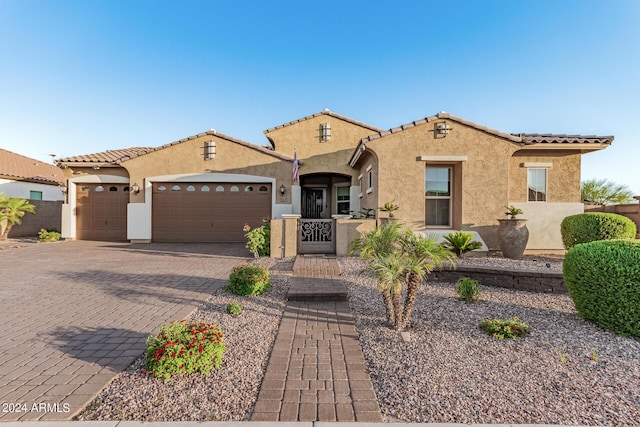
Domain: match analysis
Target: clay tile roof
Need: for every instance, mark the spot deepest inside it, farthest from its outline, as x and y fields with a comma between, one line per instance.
x=325, y=112
x=550, y=138
x=116, y=157
x=21, y=168
x=109, y=156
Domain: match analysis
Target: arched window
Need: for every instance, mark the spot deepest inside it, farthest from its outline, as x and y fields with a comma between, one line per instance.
x=191, y=188
x=204, y=188
x=113, y=188
x=162, y=188
x=263, y=189
x=219, y=188
x=175, y=188
x=234, y=188
x=99, y=188
x=248, y=188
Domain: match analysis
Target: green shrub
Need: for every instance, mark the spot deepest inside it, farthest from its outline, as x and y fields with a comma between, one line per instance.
x=48, y=235
x=258, y=239
x=467, y=289
x=603, y=279
x=249, y=279
x=592, y=226
x=507, y=328
x=460, y=242
x=234, y=308
x=184, y=348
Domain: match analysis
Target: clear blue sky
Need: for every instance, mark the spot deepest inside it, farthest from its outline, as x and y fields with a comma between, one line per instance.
x=80, y=76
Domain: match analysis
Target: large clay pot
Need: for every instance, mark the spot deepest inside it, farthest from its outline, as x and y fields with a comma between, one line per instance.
x=513, y=236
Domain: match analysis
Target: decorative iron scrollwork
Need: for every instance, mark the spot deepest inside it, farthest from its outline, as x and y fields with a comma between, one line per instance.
x=316, y=231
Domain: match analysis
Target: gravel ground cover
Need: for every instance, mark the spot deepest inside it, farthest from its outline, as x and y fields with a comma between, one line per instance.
x=227, y=393
x=452, y=371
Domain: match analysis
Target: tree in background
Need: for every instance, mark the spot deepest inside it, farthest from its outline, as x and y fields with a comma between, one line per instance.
x=605, y=192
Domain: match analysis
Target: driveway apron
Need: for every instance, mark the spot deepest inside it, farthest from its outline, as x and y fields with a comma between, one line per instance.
x=74, y=314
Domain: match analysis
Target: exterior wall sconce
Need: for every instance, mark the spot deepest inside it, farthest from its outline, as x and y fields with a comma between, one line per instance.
x=442, y=128
x=282, y=189
x=135, y=188
x=325, y=132
x=63, y=188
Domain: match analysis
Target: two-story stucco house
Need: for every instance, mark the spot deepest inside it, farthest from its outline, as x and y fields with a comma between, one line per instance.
x=445, y=173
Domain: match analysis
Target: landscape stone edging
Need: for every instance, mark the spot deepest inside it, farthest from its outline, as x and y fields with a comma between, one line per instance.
x=524, y=280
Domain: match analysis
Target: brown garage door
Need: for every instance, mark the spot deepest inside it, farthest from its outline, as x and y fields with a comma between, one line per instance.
x=207, y=212
x=101, y=212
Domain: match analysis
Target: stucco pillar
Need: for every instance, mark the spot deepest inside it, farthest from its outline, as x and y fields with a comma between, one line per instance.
x=354, y=198
x=290, y=235
x=296, y=199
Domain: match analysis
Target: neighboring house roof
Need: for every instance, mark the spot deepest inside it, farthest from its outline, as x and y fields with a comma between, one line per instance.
x=325, y=112
x=115, y=157
x=518, y=138
x=20, y=168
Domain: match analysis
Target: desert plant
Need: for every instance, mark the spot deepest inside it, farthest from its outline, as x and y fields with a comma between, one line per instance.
x=513, y=212
x=505, y=328
x=604, y=192
x=390, y=208
x=258, y=239
x=593, y=226
x=460, y=242
x=48, y=235
x=234, y=308
x=12, y=209
x=603, y=279
x=184, y=348
x=467, y=289
x=399, y=259
x=249, y=279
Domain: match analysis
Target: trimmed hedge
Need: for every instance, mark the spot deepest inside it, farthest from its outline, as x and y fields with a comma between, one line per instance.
x=249, y=279
x=592, y=226
x=603, y=279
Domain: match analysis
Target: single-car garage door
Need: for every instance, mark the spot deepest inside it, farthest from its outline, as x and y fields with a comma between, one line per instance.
x=101, y=212
x=207, y=212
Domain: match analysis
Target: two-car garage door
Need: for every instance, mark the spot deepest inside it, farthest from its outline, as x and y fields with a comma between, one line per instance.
x=207, y=212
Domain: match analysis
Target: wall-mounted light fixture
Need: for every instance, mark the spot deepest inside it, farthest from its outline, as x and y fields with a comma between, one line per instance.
x=135, y=188
x=63, y=188
x=282, y=189
x=442, y=128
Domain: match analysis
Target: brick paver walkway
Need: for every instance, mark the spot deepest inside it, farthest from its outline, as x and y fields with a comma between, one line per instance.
x=317, y=371
x=74, y=314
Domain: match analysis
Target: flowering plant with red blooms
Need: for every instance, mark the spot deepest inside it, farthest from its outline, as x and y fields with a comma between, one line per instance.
x=184, y=348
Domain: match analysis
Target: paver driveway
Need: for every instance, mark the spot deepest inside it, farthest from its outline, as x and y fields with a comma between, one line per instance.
x=74, y=314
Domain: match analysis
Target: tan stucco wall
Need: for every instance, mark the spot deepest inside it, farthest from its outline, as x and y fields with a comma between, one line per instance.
x=485, y=174
x=563, y=177
x=369, y=200
x=188, y=158
x=320, y=156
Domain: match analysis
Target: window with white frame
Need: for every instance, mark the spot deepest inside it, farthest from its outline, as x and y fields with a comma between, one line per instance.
x=360, y=184
x=325, y=132
x=369, y=179
x=343, y=200
x=35, y=195
x=209, y=150
x=537, y=185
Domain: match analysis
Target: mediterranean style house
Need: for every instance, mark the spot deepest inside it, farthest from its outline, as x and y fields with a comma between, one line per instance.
x=445, y=173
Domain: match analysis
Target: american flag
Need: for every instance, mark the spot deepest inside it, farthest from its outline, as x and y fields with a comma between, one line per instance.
x=296, y=172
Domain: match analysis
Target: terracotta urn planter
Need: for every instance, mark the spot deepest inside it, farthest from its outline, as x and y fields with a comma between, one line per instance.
x=513, y=236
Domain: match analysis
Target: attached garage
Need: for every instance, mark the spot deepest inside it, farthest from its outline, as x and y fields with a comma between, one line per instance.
x=207, y=212
x=101, y=212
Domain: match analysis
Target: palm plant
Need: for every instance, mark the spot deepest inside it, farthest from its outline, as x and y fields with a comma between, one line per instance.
x=12, y=209
x=422, y=255
x=399, y=259
x=460, y=242
x=390, y=208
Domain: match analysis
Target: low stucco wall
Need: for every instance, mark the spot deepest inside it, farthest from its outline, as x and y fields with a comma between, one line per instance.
x=48, y=215
x=544, y=223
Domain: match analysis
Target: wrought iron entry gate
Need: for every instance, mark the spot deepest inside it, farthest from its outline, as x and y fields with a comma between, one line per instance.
x=316, y=236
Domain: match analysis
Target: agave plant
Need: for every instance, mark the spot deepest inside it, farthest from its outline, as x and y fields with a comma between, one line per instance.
x=460, y=242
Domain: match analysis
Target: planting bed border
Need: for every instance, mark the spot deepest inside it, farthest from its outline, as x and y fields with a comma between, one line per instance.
x=524, y=280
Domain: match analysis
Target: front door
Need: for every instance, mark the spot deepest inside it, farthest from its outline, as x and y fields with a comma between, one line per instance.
x=314, y=203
